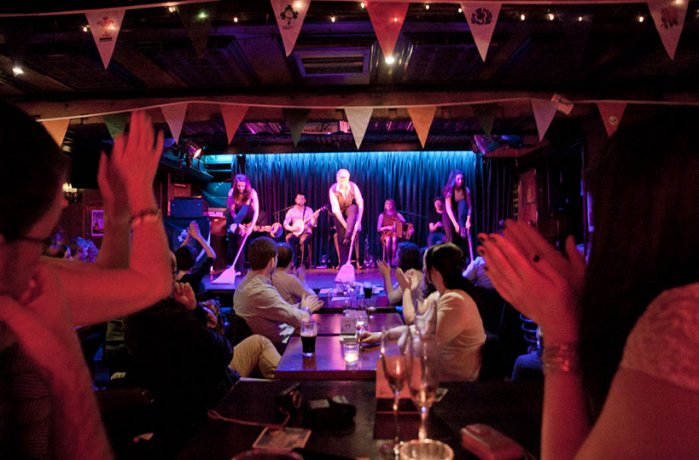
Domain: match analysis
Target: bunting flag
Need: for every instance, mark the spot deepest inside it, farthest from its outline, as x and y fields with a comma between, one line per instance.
x=57, y=129
x=422, y=120
x=196, y=19
x=563, y=104
x=290, y=15
x=358, y=119
x=116, y=123
x=481, y=18
x=387, y=19
x=544, y=111
x=232, y=117
x=296, y=120
x=668, y=16
x=174, y=116
x=611, y=113
x=105, y=26
x=485, y=114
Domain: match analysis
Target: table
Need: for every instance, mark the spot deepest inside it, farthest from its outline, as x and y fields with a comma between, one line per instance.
x=513, y=408
x=330, y=323
x=328, y=362
x=339, y=304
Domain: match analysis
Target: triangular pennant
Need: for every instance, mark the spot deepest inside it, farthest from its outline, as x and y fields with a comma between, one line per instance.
x=358, y=119
x=57, y=129
x=544, y=111
x=196, y=19
x=290, y=15
x=232, y=117
x=422, y=120
x=296, y=120
x=174, y=116
x=668, y=16
x=116, y=123
x=611, y=113
x=387, y=19
x=105, y=26
x=481, y=17
x=485, y=114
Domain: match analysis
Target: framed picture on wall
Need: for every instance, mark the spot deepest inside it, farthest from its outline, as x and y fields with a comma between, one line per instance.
x=97, y=222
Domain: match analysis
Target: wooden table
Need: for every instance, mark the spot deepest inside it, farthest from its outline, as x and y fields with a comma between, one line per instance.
x=328, y=362
x=513, y=408
x=330, y=323
x=338, y=304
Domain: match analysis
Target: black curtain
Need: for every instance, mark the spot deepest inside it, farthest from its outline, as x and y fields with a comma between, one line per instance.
x=412, y=179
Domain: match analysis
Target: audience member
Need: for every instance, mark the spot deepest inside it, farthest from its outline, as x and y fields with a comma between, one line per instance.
x=451, y=312
x=407, y=258
x=620, y=338
x=191, y=267
x=259, y=303
x=46, y=401
x=83, y=250
x=290, y=287
x=435, y=224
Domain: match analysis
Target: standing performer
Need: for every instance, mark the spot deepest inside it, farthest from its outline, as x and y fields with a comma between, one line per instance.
x=347, y=206
x=386, y=226
x=244, y=210
x=457, y=203
x=299, y=222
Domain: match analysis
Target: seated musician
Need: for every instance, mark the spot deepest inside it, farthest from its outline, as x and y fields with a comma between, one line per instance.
x=387, y=225
x=299, y=222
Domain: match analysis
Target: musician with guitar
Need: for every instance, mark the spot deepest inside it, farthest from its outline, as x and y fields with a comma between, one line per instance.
x=243, y=208
x=299, y=222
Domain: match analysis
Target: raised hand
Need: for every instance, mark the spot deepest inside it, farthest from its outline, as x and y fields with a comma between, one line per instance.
x=384, y=268
x=184, y=295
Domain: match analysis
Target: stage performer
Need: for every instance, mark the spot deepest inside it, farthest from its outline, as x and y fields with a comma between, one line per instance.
x=435, y=225
x=347, y=206
x=299, y=222
x=386, y=226
x=457, y=203
x=244, y=210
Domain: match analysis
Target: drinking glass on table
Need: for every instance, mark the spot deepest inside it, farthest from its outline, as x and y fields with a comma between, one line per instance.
x=396, y=362
x=360, y=321
x=424, y=376
x=309, y=332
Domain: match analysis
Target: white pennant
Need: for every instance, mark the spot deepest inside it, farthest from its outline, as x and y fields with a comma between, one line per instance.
x=174, y=116
x=544, y=111
x=668, y=16
x=481, y=17
x=358, y=119
x=105, y=26
x=290, y=15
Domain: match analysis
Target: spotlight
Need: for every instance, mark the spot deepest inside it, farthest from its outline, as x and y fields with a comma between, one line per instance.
x=550, y=16
x=580, y=19
x=17, y=70
x=172, y=9
x=203, y=15
x=333, y=18
x=235, y=19
x=427, y=6
x=191, y=149
x=640, y=18
x=460, y=10
x=522, y=17
x=362, y=5
x=390, y=60
x=85, y=28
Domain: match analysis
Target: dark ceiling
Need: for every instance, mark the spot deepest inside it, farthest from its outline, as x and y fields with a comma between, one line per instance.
x=608, y=55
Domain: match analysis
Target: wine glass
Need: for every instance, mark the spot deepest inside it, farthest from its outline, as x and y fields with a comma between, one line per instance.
x=424, y=376
x=396, y=363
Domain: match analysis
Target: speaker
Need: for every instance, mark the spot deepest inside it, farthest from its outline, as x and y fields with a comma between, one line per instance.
x=188, y=207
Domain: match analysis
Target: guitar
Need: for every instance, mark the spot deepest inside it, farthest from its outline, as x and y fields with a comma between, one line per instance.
x=299, y=225
x=275, y=230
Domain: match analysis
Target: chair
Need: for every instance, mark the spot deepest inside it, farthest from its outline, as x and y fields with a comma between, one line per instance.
x=238, y=329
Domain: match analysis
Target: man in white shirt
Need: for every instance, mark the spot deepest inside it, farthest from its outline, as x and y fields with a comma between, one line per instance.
x=347, y=206
x=299, y=222
x=259, y=303
x=290, y=287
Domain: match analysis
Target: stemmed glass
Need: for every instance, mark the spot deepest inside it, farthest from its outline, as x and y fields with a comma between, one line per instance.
x=424, y=376
x=396, y=367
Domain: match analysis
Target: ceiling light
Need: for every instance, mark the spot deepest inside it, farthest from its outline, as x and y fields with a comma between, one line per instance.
x=390, y=59
x=522, y=17
x=86, y=28
x=333, y=18
x=235, y=19
x=460, y=10
x=640, y=18
x=172, y=9
x=17, y=70
x=427, y=6
x=550, y=16
x=362, y=5
x=202, y=15
x=580, y=19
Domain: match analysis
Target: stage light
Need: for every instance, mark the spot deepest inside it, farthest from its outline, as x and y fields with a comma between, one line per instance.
x=427, y=6
x=235, y=19
x=390, y=60
x=17, y=70
x=333, y=18
x=172, y=9
x=522, y=17
x=640, y=18
x=550, y=16
x=460, y=10
x=85, y=28
x=580, y=19
x=362, y=5
x=203, y=15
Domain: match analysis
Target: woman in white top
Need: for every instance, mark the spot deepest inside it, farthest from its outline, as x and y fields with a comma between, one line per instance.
x=621, y=339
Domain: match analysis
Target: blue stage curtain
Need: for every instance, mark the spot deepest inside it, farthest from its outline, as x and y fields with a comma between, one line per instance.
x=411, y=178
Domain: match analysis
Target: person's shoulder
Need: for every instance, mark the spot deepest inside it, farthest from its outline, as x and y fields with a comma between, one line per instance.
x=665, y=340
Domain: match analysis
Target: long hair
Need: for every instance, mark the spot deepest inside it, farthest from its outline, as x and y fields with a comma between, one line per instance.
x=448, y=260
x=451, y=182
x=646, y=214
x=239, y=197
x=31, y=169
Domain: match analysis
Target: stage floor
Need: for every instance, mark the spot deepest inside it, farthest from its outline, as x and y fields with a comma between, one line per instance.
x=316, y=279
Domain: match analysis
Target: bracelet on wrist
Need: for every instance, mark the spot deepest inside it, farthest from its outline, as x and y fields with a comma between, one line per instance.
x=146, y=216
x=561, y=358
